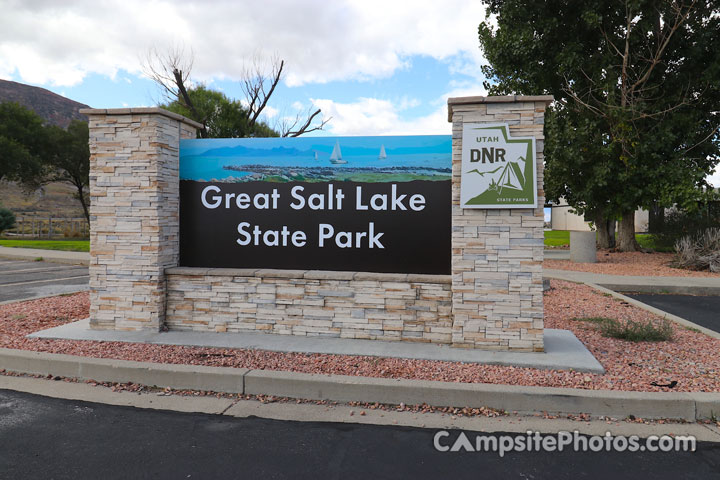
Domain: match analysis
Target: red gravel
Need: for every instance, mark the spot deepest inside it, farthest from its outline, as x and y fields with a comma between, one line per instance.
x=629, y=263
x=691, y=358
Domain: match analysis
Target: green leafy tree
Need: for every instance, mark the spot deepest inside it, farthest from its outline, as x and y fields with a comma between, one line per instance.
x=35, y=155
x=222, y=117
x=67, y=159
x=22, y=141
x=7, y=219
x=637, y=93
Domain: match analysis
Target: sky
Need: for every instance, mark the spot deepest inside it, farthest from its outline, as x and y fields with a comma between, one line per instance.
x=373, y=67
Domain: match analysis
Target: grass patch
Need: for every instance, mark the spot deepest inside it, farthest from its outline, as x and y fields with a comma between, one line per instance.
x=649, y=242
x=561, y=238
x=557, y=238
x=65, y=245
x=637, y=331
x=631, y=330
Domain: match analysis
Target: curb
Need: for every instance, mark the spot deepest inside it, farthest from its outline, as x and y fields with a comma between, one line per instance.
x=342, y=388
x=567, y=276
x=660, y=289
x=656, y=311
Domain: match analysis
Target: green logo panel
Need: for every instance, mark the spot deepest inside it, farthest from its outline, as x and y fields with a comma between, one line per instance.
x=498, y=171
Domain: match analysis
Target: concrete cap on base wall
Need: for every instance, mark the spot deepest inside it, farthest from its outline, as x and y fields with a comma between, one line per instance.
x=141, y=111
x=495, y=99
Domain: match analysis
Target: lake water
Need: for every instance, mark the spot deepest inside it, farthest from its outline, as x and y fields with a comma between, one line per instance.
x=208, y=167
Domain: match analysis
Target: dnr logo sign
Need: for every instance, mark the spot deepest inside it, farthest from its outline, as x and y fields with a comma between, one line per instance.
x=497, y=171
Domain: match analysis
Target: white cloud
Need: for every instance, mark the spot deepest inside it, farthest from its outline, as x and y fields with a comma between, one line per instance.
x=50, y=42
x=714, y=179
x=270, y=112
x=372, y=116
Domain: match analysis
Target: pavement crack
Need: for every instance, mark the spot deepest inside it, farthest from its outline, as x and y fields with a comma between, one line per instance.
x=229, y=406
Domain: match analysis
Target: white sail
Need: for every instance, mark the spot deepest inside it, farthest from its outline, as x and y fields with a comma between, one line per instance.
x=382, y=155
x=316, y=156
x=336, y=156
x=336, y=153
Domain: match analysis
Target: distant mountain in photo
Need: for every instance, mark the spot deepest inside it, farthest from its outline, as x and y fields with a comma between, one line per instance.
x=242, y=151
x=443, y=147
x=54, y=108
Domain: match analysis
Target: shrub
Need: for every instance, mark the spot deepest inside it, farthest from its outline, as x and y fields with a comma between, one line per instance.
x=681, y=223
x=637, y=331
x=7, y=219
x=699, y=252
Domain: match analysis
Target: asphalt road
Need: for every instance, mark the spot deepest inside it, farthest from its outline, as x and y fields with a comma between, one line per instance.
x=701, y=309
x=21, y=279
x=42, y=437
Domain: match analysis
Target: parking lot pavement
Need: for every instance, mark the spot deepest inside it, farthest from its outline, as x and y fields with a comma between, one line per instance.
x=23, y=279
x=700, y=309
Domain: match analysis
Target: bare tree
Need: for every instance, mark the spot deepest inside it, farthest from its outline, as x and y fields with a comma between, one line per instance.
x=301, y=123
x=171, y=71
x=260, y=79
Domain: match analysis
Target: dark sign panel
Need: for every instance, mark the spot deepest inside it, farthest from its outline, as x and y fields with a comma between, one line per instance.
x=377, y=204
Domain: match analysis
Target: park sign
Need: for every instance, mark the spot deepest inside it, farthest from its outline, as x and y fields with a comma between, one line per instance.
x=374, y=204
x=498, y=171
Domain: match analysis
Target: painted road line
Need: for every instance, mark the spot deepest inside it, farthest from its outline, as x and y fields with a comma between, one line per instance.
x=13, y=262
x=44, y=281
x=42, y=270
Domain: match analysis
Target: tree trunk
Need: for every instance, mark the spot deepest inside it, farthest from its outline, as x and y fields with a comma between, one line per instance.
x=605, y=232
x=83, y=201
x=626, y=233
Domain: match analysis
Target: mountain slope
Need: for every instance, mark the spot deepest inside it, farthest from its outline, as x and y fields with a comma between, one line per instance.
x=54, y=108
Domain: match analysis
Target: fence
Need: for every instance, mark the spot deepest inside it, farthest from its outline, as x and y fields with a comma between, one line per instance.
x=49, y=227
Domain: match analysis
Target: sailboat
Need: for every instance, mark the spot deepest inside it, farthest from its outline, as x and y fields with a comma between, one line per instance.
x=336, y=156
x=316, y=156
x=382, y=155
x=511, y=177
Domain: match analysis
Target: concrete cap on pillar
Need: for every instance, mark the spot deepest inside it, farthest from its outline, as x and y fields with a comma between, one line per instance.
x=141, y=111
x=496, y=99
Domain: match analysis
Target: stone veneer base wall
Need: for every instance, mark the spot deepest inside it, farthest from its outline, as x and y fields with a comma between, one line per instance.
x=314, y=303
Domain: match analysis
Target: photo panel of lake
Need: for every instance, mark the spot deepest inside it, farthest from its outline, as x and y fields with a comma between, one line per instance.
x=317, y=159
x=379, y=204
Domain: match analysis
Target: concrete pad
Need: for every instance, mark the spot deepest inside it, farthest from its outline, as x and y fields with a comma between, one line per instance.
x=563, y=351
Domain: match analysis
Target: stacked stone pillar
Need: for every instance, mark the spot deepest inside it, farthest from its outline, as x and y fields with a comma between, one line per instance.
x=134, y=213
x=497, y=253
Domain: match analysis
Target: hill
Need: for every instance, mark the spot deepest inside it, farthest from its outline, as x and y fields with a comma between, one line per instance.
x=55, y=199
x=54, y=108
